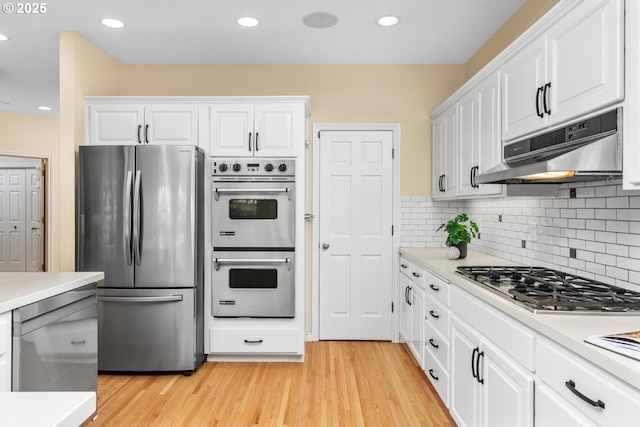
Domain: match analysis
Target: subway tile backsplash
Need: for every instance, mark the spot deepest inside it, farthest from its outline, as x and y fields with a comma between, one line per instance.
x=602, y=224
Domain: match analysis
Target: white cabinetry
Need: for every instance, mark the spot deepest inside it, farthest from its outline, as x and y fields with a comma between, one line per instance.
x=5, y=352
x=126, y=123
x=412, y=309
x=578, y=384
x=489, y=383
x=479, y=143
x=575, y=67
x=444, y=164
x=256, y=130
x=437, y=333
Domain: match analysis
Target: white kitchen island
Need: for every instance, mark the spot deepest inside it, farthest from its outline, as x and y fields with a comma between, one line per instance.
x=53, y=408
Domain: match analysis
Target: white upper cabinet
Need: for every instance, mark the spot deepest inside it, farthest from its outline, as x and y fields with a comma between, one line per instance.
x=139, y=123
x=257, y=130
x=479, y=143
x=575, y=67
x=444, y=165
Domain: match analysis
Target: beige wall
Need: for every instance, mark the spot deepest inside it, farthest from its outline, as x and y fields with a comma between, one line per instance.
x=84, y=70
x=36, y=136
x=525, y=16
x=339, y=93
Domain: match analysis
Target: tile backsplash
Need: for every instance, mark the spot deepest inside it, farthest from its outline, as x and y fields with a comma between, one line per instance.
x=590, y=229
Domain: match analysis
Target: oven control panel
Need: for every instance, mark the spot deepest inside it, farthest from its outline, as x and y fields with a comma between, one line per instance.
x=252, y=167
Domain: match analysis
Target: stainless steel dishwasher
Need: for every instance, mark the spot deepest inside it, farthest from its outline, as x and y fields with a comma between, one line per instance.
x=55, y=343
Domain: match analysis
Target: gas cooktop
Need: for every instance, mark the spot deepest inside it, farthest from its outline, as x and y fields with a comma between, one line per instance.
x=546, y=290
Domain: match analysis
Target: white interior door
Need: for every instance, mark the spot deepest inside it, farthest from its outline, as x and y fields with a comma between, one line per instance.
x=34, y=217
x=355, y=207
x=12, y=220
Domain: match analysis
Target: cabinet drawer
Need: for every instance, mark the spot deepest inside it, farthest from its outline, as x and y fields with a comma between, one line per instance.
x=437, y=288
x=437, y=345
x=254, y=340
x=437, y=315
x=508, y=334
x=412, y=271
x=557, y=367
x=438, y=376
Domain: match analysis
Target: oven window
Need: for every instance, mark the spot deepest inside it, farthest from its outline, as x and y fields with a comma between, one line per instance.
x=244, y=278
x=253, y=209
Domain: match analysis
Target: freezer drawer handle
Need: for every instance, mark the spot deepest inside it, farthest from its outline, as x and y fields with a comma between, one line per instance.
x=218, y=261
x=169, y=298
x=571, y=385
x=219, y=191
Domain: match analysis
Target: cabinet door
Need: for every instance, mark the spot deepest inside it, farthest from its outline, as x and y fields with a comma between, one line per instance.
x=465, y=389
x=586, y=51
x=5, y=351
x=171, y=124
x=553, y=410
x=417, y=323
x=444, y=163
x=467, y=142
x=523, y=76
x=231, y=130
x=279, y=130
x=488, y=147
x=116, y=124
x=405, y=320
x=507, y=392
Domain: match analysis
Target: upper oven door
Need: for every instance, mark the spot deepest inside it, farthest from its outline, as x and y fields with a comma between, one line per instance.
x=253, y=215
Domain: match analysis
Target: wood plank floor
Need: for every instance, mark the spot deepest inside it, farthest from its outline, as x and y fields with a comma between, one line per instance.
x=341, y=383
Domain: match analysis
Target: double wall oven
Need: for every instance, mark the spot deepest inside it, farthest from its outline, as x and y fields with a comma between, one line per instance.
x=253, y=237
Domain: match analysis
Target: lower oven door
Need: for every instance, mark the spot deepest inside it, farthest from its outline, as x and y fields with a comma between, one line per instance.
x=253, y=214
x=253, y=284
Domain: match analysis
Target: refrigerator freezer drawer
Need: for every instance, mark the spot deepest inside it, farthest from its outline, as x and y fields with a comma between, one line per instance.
x=144, y=330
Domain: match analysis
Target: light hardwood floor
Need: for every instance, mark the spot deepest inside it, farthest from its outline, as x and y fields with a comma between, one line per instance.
x=341, y=383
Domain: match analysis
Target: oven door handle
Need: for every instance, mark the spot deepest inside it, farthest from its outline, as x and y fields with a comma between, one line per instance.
x=218, y=191
x=218, y=261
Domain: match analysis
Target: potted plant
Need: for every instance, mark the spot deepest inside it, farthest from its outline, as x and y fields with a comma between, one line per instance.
x=460, y=230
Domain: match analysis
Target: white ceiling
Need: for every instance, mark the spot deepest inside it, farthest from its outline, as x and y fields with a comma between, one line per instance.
x=205, y=32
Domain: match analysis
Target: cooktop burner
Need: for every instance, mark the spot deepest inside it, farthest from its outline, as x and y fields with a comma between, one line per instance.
x=539, y=288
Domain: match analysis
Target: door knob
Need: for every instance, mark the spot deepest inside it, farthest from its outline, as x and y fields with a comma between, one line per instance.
x=325, y=246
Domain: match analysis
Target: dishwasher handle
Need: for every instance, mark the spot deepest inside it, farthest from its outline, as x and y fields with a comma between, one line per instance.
x=169, y=298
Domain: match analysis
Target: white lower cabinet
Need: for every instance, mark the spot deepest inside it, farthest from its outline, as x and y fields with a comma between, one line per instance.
x=254, y=340
x=412, y=307
x=553, y=410
x=492, y=364
x=5, y=351
x=583, y=387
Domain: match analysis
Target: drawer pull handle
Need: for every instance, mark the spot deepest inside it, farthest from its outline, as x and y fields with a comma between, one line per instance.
x=433, y=376
x=433, y=344
x=434, y=287
x=78, y=342
x=415, y=274
x=571, y=385
x=253, y=341
x=434, y=314
x=404, y=265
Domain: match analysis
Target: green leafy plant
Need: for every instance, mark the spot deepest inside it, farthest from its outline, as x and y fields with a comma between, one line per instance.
x=459, y=229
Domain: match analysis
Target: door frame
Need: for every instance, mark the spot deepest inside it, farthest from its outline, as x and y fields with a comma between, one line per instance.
x=314, y=253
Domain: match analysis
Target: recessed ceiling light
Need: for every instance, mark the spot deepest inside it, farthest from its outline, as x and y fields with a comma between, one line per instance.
x=44, y=108
x=112, y=23
x=3, y=38
x=388, y=21
x=320, y=20
x=247, y=21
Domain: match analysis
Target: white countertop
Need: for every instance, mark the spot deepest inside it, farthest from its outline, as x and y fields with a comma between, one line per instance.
x=20, y=289
x=567, y=329
x=46, y=409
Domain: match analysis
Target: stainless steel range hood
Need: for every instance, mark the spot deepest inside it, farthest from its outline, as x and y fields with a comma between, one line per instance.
x=586, y=150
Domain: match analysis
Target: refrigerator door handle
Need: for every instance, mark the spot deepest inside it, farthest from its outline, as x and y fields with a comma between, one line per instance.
x=169, y=298
x=136, y=218
x=127, y=217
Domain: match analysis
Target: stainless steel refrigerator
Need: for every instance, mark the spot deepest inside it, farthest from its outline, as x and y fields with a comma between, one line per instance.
x=140, y=220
